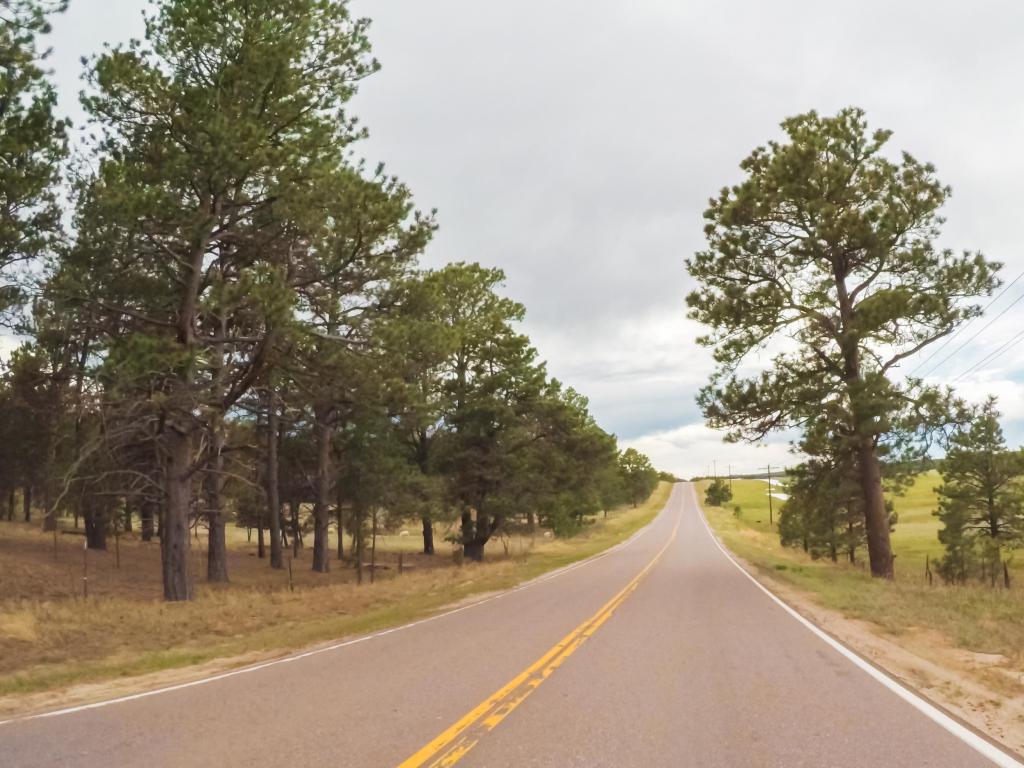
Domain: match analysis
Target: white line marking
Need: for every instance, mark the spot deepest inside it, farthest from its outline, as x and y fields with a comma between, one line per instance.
x=344, y=644
x=971, y=739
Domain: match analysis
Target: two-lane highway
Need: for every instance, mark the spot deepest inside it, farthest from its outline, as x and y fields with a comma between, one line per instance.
x=660, y=653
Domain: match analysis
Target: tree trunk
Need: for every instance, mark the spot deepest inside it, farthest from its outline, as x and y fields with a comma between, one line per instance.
x=876, y=518
x=293, y=504
x=96, y=525
x=474, y=550
x=217, y=550
x=467, y=530
x=261, y=547
x=147, y=517
x=274, y=481
x=373, y=548
x=358, y=537
x=174, y=541
x=321, y=520
x=428, y=535
x=340, y=515
x=127, y=516
x=26, y=503
x=49, y=509
x=474, y=537
x=10, y=505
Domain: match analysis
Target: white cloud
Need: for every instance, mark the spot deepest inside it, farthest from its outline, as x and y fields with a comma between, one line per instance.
x=694, y=449
x=1010, y=395
x=640, y=374
x=8, y=344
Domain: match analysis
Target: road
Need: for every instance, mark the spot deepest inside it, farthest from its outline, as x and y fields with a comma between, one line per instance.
x=662, y=652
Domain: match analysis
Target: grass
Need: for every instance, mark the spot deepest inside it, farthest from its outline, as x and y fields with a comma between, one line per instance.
x=974, y=618
x=124, y=629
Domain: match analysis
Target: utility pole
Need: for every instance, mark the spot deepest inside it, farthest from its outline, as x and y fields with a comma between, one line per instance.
x=771, y=516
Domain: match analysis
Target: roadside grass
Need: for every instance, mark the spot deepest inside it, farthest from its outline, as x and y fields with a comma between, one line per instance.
x=974, y=617
x=54, y=643
x=30, y=569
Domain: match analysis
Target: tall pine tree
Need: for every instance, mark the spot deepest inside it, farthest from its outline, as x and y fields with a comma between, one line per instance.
x=824, y=257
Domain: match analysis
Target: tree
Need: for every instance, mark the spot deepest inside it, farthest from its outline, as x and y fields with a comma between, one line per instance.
x=718, y=493
x=369, y=239
x=558, y=464
x=217, y=136
x=824, y=257
x=420, y=339
x=33, y=144
x=490, y=380
x=639, y=477
x=824, y=513
x=981, y=499
x=475, y=410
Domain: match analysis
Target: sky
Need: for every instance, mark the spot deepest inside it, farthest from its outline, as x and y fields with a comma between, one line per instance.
x=575, y=144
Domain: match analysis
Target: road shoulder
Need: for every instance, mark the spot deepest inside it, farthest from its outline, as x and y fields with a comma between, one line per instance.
x=971, y=686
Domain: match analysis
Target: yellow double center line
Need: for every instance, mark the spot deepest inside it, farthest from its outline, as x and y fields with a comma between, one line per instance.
x=453, y=744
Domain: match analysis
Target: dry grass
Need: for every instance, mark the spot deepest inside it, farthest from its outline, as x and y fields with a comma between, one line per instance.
x=130, y=567
x=51, y=638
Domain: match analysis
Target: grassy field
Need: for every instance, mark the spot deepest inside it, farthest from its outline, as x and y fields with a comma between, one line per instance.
x=974, y=618
x=51, y=638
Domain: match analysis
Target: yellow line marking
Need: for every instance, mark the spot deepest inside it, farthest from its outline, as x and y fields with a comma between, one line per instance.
x=453, y=744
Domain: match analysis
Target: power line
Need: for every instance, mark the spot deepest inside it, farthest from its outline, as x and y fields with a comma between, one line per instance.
x=1007, y=345
x=964, y=327
x=984, y=328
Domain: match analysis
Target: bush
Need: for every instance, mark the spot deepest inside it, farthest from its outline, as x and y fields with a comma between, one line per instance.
x=718, y=493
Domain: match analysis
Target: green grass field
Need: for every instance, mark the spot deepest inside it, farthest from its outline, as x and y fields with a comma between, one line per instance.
x=974, y=617
x=916, y=534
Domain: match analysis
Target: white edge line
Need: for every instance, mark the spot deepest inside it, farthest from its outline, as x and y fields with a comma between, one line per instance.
x=316, y=651
x=971, y=739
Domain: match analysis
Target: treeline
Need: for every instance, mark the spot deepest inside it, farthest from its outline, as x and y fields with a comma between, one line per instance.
x=234, y=324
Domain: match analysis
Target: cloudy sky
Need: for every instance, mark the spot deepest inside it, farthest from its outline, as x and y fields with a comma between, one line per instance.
x=575, y=143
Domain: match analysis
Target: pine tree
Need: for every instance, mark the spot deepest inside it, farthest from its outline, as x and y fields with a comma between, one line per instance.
x=639, y=477
x=33, y=146
x=981, y=499
x=218, y=139
x=718, y=493
x=830, y=245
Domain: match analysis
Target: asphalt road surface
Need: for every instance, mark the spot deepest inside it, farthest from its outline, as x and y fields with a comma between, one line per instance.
x=662, y=652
